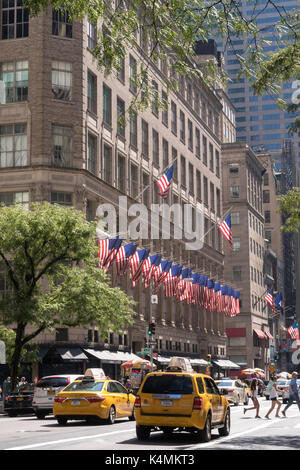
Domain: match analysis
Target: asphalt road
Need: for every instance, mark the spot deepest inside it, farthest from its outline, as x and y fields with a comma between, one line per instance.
x=247, y=433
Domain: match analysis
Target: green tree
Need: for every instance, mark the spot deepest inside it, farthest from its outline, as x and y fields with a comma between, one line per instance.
x=48, y=255
x=28, y=354
x=168, y=30
x=290, y=209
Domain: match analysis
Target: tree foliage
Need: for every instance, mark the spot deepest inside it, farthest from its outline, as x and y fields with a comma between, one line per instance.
x=168, y=30
x=290, y=209
x=48, y=255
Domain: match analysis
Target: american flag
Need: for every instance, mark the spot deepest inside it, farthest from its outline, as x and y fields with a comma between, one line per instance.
x=224, y=292
x=236, y=299
x=180, y=288
x=107, y=250
x=211, y=302
x=294, y=331
x=269, y=298
x=218, y=298
x=123, y=257
x=170, y=282
x=164, y=182
x=137, y=262
x=149, y=269
x=225, y=228
x=160, y=274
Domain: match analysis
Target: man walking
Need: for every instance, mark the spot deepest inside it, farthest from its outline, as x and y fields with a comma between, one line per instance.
x=293, y=390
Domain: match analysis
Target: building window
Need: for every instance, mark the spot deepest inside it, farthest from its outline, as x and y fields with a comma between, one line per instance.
x=165, y=152
x=183, y=171
x=198, y=185
x=267, y=217
x=204, y=150
x=133, y=130
x=13, y=145
x=132, y=74
x=268, y=235
x=21, y=198
x=197, y=143
x=61, y=23
x=121, y=173
x=211, y=157
x=236, y=244
x=91, y=34
x=107, y=164
x=175, y=166
x=62, y=80
x=14, y=76
x=217, y=163
x=61, y=334
x=146, y=191
x=121, y=71
x=266, y=179
x=155, y=98
x=106, y=105
x=15, y=20
x=266, y=196
x=120, y=117
x=205, y=191
x=174, y=118
x=155, y=148
x=191, y=179
x=64, y=199
x=236, y=273
x=61, y=145
x=133, y=181
x=234, y=168
x=234, y=191
x=212, y=197
x=190, y=135
x=92, y=93
x=92, y=152
x=235, y=218
x=182, y=127
x=218, y=194
x=164, y=114
x=145, y=139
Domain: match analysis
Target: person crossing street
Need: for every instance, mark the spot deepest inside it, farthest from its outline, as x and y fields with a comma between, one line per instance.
x=293, y=393
x=272, y=388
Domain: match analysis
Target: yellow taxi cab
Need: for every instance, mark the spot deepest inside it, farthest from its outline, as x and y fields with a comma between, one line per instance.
x=94, y=396
x=180, y=399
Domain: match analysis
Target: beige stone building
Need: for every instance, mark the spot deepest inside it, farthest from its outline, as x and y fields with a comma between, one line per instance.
x=62, y=141
x=248, y=333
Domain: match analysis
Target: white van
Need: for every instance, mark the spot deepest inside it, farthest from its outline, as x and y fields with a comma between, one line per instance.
x=45, y=391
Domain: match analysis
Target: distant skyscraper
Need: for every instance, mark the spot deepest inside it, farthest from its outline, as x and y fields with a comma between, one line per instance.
x=259, y=121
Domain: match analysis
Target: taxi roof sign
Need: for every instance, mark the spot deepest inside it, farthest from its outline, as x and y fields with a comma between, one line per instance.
x=181, y=364
x=94, y=374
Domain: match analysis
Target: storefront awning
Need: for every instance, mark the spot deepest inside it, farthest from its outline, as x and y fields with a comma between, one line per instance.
x=198, y=362
x=163, y=360
x=269, y=335
x=226, y=364
x=113, y=357
x=72, y=354
x=259, y=333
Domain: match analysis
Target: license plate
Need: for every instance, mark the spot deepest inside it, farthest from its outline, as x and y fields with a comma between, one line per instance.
x=19, y=399
x=50, y=392
x=166, y=402
x=75, y=403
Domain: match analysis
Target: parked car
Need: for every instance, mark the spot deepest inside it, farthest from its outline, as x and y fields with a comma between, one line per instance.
x=236, y=391
x=20, y=401
x=182, y=400
x=46, y=389
x=92, y=397
x=286, y=393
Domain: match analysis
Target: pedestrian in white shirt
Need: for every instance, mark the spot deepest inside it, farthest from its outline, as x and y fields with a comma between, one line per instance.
x=272, y=387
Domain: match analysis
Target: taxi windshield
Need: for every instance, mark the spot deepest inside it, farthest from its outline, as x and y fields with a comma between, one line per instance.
x=84, y=386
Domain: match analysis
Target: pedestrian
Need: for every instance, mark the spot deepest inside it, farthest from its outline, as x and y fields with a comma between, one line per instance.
x=293, y=393
x=272, y=388
x=6, y=388
x=22, y=382
x=254, y=391
x=128, y=384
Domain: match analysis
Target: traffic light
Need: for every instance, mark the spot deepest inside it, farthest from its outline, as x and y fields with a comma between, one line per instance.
x=209, y=359
x=151, y=329
x=275, y=357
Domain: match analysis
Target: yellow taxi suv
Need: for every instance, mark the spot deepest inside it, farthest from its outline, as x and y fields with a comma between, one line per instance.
x=180, y=399
x=94, y=397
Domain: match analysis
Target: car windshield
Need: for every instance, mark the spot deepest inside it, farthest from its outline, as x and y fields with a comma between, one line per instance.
x=168, y=384
x=85, y=387
x=226, y=383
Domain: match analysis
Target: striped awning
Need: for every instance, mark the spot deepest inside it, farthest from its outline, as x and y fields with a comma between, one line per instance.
x=259, y=333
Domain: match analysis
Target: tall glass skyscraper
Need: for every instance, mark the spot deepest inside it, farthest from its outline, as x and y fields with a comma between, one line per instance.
x=259, y=121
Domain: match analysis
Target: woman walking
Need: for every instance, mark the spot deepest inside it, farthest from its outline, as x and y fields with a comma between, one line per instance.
x=254, y=392
x=272, y=388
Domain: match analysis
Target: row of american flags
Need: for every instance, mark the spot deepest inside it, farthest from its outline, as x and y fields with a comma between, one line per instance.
x=277, y=302
x=177, y=281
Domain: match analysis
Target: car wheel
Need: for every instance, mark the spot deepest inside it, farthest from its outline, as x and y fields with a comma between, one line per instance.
x=40, y=414
x=143, y=432
x=225, y=430
x=111, y=415
x=205, y=434
x=61, y=420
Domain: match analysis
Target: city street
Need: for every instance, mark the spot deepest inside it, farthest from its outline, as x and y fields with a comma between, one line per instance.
x=247, y=433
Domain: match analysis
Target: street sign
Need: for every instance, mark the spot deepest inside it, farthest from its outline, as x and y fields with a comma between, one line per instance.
x=154, y=299
x=147, y=351
x=140, y=353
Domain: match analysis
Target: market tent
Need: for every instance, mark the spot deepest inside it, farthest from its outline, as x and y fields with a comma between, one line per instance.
x=226, y=364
